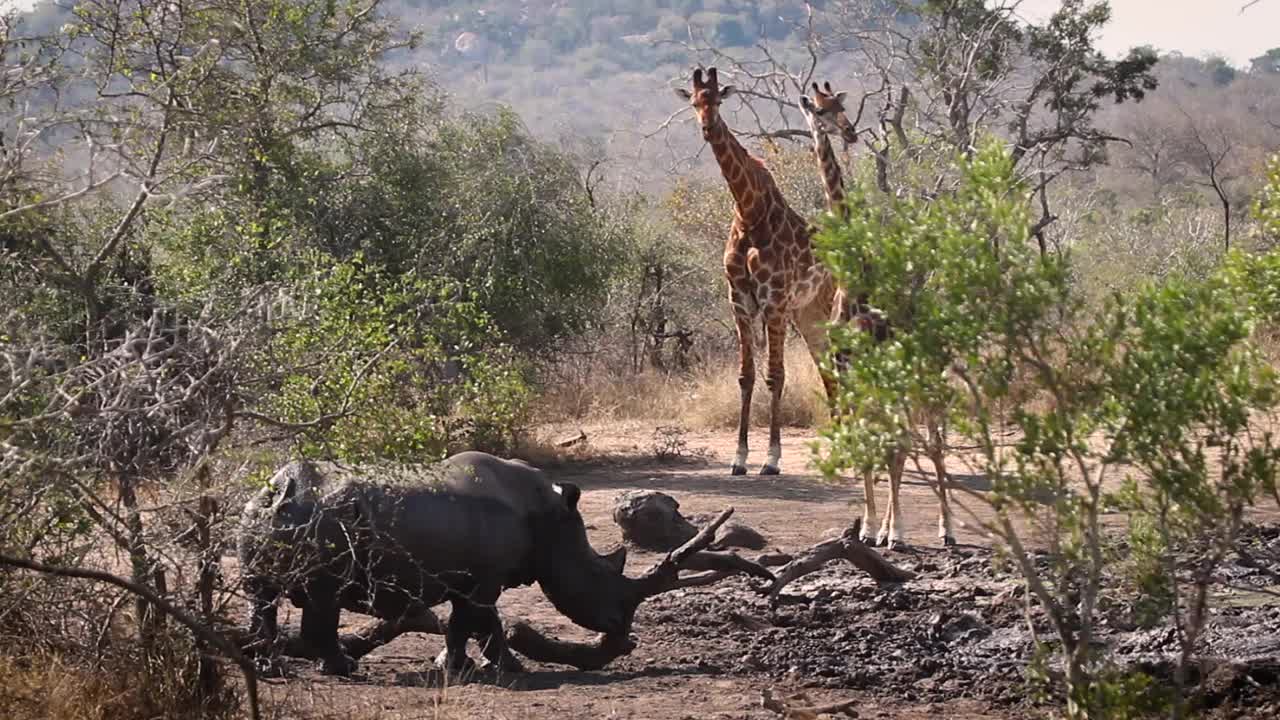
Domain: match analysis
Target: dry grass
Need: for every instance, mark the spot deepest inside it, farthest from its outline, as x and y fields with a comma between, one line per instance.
x=51, y=687
x=411, y=696
x=706, y=399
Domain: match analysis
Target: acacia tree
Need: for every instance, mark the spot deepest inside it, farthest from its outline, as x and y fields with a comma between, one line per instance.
x=938, y=74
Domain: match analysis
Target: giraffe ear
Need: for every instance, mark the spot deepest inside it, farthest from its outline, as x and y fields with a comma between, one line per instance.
x=683, y=94
x=727, y=90
x=807, y=105
x=840, y=96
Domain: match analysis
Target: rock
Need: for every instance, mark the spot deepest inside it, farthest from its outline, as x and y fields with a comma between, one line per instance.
x=651, y=520
x=738, y=535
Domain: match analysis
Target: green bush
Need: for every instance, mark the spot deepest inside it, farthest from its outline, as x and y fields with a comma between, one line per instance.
x=1160, y=387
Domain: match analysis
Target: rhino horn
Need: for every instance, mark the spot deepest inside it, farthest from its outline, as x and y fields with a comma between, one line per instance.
x=617, y=559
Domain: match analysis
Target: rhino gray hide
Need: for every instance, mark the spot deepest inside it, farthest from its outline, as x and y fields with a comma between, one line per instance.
x=472, y=526
x=459, y=531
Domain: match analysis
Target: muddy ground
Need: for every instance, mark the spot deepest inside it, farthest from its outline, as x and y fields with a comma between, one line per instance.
x=952, y=643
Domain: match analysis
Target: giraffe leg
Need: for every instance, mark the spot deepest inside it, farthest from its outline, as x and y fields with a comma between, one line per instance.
x=868, y=505
x=890, y=530
x=746, y=383
x=937, y=456
x=775, y=323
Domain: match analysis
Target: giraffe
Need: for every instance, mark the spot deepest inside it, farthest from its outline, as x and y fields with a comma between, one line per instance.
x=825, y=115
x=769, y=264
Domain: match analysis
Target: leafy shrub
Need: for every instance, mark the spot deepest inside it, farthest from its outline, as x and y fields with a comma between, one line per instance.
x=1161, y=386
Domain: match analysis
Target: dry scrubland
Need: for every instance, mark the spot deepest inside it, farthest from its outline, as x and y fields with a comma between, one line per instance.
x=239, y=232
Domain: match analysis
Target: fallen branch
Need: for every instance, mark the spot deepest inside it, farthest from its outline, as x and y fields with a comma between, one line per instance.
x=727, y=563
x=812, y=712
x=846, y=547
x=581, y=437
x=773, y=559
x=526, y=640
x=665, y=576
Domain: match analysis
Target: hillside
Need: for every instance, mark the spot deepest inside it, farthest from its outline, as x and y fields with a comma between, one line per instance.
x=593, y=74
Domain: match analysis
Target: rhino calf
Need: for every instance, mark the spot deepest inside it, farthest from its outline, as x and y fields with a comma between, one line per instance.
x=462, y=531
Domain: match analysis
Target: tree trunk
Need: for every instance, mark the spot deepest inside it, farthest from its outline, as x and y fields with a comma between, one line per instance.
x=143, y=571
x=206, y=509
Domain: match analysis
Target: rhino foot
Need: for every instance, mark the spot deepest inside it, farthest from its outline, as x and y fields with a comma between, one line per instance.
x=456, y=665
x=338, y=663
x=270, y=667
x=507, y=664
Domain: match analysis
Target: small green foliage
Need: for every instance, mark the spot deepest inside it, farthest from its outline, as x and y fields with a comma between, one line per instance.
x=1127, y=695
x=1143, y=567
x=1267, y=208
x=405, y=368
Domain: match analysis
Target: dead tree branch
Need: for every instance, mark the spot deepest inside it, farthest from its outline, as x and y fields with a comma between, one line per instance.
x=846, y=547
x=214, y=639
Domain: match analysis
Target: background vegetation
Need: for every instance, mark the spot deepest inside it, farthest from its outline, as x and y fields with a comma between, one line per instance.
x=233, y=231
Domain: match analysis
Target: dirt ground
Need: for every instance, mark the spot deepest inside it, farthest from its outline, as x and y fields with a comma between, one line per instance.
x=950, y=644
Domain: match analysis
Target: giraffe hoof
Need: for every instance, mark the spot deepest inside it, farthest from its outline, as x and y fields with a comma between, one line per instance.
x=948, y=541
x=770, y=470
x=738, y=470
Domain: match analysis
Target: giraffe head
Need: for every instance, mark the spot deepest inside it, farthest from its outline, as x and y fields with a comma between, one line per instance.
x=825, y=113
x=705, y=98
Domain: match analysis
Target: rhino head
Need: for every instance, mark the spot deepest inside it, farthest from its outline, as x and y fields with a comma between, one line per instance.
x=288, y=533
x=588, y=587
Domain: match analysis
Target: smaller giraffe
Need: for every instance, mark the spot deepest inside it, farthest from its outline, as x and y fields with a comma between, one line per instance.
x=826, y=116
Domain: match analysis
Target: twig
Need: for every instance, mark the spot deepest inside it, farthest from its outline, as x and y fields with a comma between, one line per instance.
x=204, y=633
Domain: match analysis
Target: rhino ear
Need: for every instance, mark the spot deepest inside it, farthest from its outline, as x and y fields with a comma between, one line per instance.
x=297, y=482
x=284, y=486
x=570, y=492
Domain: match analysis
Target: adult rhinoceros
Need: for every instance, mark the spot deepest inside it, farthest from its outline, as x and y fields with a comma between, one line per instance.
x=460, y=531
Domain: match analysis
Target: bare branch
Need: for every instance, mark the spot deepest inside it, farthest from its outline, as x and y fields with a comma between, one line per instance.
x=200, y=630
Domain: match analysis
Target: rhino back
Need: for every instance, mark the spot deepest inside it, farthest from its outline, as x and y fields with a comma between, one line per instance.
x=471, y=513
x=513, y=483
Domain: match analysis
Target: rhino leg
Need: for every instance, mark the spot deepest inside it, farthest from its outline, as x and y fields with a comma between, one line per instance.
x=486, y=627
x=320, y=631
x=264, y=627
x=459, y=630
x=476, y=615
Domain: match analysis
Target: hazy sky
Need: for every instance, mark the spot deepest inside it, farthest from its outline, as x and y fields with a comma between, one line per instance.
x=1194, y=27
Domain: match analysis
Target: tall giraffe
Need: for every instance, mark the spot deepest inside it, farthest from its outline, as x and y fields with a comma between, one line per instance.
x=769, y=264
x=826, y=116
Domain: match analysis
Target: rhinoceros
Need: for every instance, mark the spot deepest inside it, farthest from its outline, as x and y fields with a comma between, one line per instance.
x=459, y=531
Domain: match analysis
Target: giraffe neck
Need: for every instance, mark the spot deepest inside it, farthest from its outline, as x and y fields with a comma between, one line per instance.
x=737, y=166
x=832, y=178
